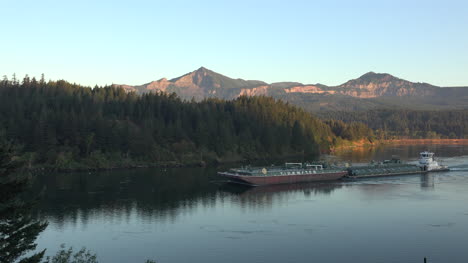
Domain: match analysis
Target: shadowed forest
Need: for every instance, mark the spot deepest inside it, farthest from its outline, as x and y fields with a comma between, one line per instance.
x=64, y=125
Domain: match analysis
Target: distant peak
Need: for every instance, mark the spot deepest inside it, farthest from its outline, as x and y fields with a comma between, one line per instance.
x=372, y=76
x=202, y=69
x=369, y=73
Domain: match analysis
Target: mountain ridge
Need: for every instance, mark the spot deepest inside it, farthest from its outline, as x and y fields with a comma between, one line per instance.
x=205, y=83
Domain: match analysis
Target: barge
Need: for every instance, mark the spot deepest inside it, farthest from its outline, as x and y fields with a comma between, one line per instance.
x=286, y=174
x=395, y=166
x=305, y=172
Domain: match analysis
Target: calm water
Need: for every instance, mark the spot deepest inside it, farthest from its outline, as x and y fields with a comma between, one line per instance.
x=180, y=215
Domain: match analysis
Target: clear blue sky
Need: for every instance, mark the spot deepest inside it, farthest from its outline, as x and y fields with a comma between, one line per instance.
x=329, y=42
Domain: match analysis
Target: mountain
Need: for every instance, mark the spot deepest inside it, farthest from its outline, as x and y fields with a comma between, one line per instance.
x=372, y=85
x=203, y=83
x=371, y=90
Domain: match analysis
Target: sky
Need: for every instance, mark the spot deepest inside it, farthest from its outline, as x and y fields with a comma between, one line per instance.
x=329, y=42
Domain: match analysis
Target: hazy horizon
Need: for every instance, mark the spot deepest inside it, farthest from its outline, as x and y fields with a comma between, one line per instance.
x=322, y=42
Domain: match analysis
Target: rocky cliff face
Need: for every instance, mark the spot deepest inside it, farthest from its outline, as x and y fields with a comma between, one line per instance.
x=308, y=89
x=257, y=91
x=204, y=83
x=372, y=85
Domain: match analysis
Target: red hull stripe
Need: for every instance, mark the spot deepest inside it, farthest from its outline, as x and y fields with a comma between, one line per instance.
x=284, y=179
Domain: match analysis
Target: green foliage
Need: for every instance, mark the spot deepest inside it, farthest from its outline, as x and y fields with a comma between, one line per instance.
x=68, y=256
x=351, y=131
x=416, y=124
x=66, y=125
x=18, y=231
x=84, y=255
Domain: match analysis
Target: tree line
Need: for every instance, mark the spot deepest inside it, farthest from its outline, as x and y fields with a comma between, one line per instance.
x=413, y=124
x=61, y=124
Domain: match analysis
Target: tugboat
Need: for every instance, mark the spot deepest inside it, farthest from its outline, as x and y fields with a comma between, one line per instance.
x=428, y=163
x=286, y=174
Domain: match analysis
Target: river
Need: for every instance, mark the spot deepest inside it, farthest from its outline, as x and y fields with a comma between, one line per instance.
x=185, y=215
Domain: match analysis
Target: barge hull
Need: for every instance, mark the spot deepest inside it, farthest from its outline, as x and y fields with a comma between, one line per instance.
x=283, y=179
x=395, y=174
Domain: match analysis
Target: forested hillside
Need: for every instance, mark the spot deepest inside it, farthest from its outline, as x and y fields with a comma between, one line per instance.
x=414, y=124
x=65, y=125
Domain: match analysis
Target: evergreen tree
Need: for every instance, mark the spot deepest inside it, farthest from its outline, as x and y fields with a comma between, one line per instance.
x=18, y=231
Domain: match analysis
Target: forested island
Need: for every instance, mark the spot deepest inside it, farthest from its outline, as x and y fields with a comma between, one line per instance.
x=60, y=125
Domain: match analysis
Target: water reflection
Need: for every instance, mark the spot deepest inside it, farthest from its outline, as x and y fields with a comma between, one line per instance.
x=151, y=193
x=307, y=188
x=274, y=195
x=427, y=181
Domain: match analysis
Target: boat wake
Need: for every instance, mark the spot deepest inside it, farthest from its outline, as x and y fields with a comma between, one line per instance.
x=459, y=169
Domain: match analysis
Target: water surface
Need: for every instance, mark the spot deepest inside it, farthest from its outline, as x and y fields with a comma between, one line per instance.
x=180, y=215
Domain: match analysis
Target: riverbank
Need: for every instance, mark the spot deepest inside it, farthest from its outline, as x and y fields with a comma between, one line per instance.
x=124, y=163
x=350, y=145
x=364, y=143
x=428, y=141
x=85, y=165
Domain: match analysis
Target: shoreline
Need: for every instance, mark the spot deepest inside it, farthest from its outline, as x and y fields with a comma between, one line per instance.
x=428, y=141
x=349, y=146
x=172, y=164
x=364, y=143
